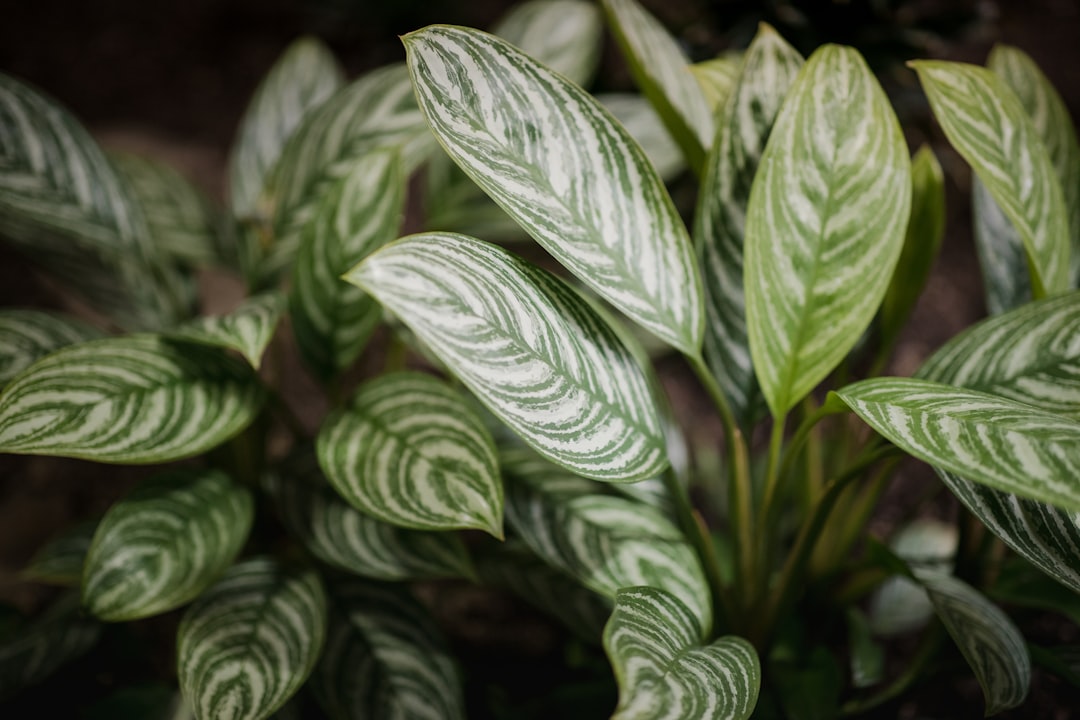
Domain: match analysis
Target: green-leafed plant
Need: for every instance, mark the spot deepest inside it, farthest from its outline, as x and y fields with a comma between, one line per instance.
x=531, y=448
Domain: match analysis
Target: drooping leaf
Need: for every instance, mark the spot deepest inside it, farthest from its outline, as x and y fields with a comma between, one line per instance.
x=164, y=543
x=989, y=127
x=28, y=335
x=135, y=399
x=249, y=642
x=410, y=451
x=647, y=129
x=717, y=78
x=662, y=72
x=743, y=127
x=900, y=605
x=546, y=152
x=248, y=329
x=60, y=561
x=564, y=35
x=302, y=79
x=654, y=642
x=528, y=347
x=361, y=211
x=988, y=439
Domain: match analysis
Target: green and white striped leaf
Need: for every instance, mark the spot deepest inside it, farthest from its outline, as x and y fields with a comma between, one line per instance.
x=333, y=319
x=743, y=127
x=60, y=561
x=647, y=129
x=988, y=126
x=248, y=329
x=564, y=35
x=250, y=641
x=990, y=642
x=664, y=672
x=303, y=78
x=29, y=335
x=1003, y=263
x=985, y=438
x=386, y=659
x=717, y=78
x=350, y=540
x=900, y=605
x=662, y=72
x=528, y=347
x=605, y=542
x=825, y=224
x=135, y=399
x=550, y=156
x=410, y=451
x=164, y=543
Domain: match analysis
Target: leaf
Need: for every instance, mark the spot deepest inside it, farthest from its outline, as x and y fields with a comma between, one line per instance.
x=825, y=224
x=743, y=127
x=717, y=78
x=248, y=329
x=409, y=451
x=989, y=127
x=28, y=335
x=1021, y=584
x=164, y=543
x=992, y=645
x=988, y=439
x=867, y=655
x=661, y=71
x=387, y=659
x=647, y=129
x=349, y=540
x=303, y=78
x=249, y=642
x=528, y=347
x=60, y=561
x=899, y=605
x=132, y=400
x=362, y=211
x=550, y=156
x=655, y=646
x=564, y=35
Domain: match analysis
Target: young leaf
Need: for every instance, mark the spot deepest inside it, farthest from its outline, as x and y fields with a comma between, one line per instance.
x=647, y=129
x=899, y=605
x=717, y=78
x=410, y=451
x=572, y=177
x=654, y=643
x=661, y=71
x=28, y=335
x=135, y=399
x=60, y=561
x=564, y=35
x=989, y=127
x=825, y=224
x=743, y=127
x=988, y=439
x=164, y=543
x=528, y=346
x=249, y=642
x=248, y=329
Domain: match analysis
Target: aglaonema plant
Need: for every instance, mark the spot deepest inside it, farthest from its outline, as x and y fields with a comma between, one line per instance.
x=536, y=452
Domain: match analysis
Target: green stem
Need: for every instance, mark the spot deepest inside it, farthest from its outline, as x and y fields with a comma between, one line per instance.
x=927, y=651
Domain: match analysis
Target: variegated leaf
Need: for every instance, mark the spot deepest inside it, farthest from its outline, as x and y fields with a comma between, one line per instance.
x=825, y=224
x=333, y=319
x=410, y=451
x=647, y=129
x=565, y=35
x=60, y=561
x=605, y=542
x=1003, y=262
x=349, y=540
x=988, y=126
x=988, y=439
x=164, y=543
x=664, y=671
x=528, y=346
x=662, y=72
x=454, y=203
x=386, y=659
x=248, y=329
x=717, y=78
x=249, y=642
x=136, y=399
x=28, y=335
x=743, y=126
x=546, y=151
x=303, y=78
x=991, y=643
x=900, y=605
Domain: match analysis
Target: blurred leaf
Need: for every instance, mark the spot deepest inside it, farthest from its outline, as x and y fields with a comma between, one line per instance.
x=565, y=35
x=29, y=335
x=248, y=329
x=60, y=561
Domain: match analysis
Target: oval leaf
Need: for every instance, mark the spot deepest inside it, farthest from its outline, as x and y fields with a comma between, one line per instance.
x=546, y=152
x=565, y=35
x=60, y=561
x=28, y=335
x=248, y=329
x=529, y=347
x=717, y=78
x=164, y=543
x=249, y=642
x=135, y=399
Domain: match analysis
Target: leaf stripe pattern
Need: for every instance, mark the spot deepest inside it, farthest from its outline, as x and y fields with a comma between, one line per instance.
x=717, y=78
x=743, y=126
x=248, y=329
x=248, y=643
x=988, y=126
x=565, y=35
x=28, y=335
x=135, y=399
x=825, y=224
x=164, y=543
x=530, y=349
x=571, y=176
x=647, y=129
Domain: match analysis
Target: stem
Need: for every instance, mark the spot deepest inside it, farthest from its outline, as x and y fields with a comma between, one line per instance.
x=927, y=651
